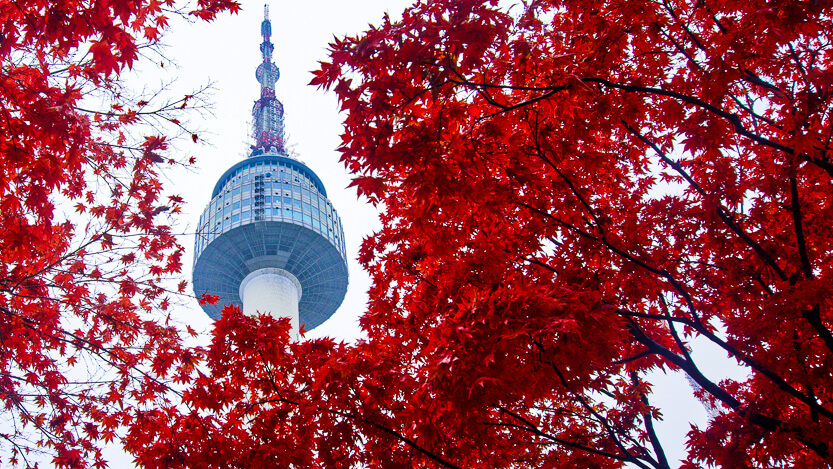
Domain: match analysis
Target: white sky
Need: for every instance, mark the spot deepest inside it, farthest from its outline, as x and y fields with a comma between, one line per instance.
x=226, y=53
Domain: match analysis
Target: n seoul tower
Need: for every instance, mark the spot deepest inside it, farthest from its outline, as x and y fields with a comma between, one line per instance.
x=270, y=239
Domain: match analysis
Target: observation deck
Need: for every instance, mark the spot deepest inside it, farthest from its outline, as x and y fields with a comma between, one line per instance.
x=271, y=211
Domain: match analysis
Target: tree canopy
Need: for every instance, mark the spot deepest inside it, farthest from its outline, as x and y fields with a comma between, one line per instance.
x=86, y=249
x=573, y=192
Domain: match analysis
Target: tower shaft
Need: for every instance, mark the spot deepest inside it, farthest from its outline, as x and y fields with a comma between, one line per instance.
x=272, y=290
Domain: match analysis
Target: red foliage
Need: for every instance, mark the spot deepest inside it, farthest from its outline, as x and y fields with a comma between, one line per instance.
x=75, y=285
x=574, y=191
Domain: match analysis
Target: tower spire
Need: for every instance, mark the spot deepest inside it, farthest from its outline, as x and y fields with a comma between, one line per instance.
x=266, y=47
x=268, y=111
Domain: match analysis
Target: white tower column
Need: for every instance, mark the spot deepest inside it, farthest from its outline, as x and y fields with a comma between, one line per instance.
x=272, y=291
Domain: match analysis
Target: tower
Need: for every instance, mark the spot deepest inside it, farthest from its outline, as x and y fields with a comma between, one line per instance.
x=270, y=239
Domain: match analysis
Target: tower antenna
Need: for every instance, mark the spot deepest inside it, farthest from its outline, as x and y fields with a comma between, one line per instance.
x=268, y=127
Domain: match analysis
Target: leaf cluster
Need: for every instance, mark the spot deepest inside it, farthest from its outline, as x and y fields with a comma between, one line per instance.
x=86, y=248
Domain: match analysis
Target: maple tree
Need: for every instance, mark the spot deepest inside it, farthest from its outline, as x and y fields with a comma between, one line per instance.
x=575, y=195
x=86, y=249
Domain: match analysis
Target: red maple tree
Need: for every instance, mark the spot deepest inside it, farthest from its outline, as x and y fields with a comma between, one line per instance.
x=85, y=248
x=573, y=192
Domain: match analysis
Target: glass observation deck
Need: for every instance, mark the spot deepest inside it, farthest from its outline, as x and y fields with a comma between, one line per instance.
x=271, y=211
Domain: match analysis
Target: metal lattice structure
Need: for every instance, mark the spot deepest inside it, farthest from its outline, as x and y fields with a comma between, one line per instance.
x=271, y=211
x=268, y=131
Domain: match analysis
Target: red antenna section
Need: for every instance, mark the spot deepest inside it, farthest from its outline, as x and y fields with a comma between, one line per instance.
x=268, y=125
